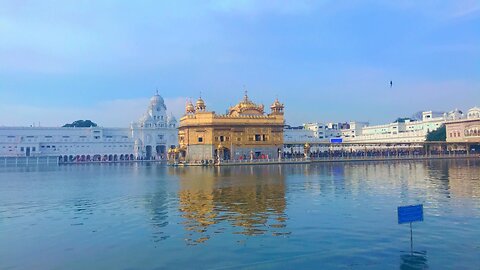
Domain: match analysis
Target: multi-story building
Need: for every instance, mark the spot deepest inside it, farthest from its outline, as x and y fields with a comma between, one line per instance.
x=465, y=130
x=354, y=129
x=320, y=132
x=245, y=132
x=299, y=134
x=402, y=130
x=148, y=138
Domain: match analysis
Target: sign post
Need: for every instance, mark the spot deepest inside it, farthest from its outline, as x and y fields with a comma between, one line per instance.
x=336, y=140
x=409, y=214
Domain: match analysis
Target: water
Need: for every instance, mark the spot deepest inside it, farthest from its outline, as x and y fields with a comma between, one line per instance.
x=321, y=216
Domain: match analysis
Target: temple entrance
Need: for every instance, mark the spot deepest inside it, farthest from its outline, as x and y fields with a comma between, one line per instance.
x=27, y=151
x=226, y=154
x=148, y=152
x=222, y=153
x=160, y=151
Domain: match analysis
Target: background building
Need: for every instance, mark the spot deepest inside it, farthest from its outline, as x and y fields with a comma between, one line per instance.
x=402, y=130
x=148, y=138
x=466, y=129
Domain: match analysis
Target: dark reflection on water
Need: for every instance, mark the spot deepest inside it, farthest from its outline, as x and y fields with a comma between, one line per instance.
x=157, y=205
x=82, y=209
x=251, y=201
x=414, y=260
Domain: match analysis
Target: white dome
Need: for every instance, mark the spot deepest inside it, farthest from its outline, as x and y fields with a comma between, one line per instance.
x=156, y=99
x=474, y=113
x=171, y=119
x=156, y=114
x=474, y=109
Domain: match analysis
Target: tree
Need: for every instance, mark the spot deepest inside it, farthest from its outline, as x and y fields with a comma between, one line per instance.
x=81, y=123
x=437, y=135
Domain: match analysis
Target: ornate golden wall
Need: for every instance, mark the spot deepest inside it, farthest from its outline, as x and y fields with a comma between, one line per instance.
x=243, y=132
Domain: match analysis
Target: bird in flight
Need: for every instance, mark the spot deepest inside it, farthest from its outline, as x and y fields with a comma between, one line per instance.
x=391, y=84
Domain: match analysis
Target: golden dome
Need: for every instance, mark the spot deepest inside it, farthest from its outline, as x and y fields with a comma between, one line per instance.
x=277, y=107
x=200, y=104
x=246, y=107
x=276, y=104
x=189, y=108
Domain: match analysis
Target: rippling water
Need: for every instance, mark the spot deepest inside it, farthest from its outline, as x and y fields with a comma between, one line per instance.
x=321, y=216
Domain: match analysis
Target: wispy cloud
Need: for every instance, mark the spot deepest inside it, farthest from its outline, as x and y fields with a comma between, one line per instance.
x=253, y=7
x=434, y=9
x=72, y=53
x=470, y=10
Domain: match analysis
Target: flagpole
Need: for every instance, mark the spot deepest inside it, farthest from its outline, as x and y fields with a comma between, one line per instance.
x=411, y=239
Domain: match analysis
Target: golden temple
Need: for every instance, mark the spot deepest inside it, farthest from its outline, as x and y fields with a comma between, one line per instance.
x=244, y=132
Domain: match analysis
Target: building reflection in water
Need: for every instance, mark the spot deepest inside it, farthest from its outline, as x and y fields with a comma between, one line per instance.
x=249, y=200
x=464, y=178
x=157, y=203
x=434, y=181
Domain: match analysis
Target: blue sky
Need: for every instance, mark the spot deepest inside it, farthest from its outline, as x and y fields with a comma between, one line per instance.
x=326, y=60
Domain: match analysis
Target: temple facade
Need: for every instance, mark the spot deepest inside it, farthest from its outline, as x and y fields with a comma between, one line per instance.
x=147, y=139
x=244, y=132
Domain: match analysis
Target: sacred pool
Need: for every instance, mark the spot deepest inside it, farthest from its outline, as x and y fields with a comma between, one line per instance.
x=326, y=215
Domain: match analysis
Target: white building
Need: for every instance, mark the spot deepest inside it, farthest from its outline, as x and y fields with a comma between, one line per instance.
x=320, y=132
x=354, y=129
x=149, y=138
x=405, y=130
x=299, y=134
x=454, y=115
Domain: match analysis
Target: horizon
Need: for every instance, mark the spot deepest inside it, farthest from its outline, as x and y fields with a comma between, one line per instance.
x=175, y=102
x=326, y=61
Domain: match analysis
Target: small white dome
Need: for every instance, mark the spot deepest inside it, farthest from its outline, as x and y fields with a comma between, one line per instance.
x=157, y=99
x=476, y=109
x=171, y=119
x=474, y=113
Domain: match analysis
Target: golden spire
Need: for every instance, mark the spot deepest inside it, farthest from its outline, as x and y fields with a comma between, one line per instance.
x=189, y=108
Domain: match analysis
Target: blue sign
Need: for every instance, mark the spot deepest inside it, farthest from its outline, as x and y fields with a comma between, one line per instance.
x=411, y=213
x=336, y=140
